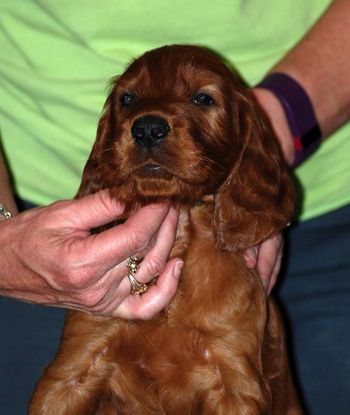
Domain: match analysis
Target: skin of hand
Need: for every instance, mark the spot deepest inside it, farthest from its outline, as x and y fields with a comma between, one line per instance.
x=266, y=258
x=50, y=256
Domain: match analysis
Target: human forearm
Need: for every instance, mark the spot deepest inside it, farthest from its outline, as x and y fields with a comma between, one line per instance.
x=320, y=63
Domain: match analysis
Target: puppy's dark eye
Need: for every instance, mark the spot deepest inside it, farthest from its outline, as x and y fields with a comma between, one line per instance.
x=127, y=99
x=203, y=99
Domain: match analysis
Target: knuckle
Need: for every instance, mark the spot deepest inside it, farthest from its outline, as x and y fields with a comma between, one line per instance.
x=138, y=240
x=91, y=300
x=76, y=276
x=154, y=265
x=57, y=205
x=55, y=210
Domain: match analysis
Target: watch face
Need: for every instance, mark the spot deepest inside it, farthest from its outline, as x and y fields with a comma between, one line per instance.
x=4, y=213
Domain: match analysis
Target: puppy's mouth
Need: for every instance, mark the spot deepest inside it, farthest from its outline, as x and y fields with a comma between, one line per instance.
x=153, y=170
x=153, y=181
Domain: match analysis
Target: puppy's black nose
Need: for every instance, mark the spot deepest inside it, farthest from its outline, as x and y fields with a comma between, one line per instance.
x=150, y=130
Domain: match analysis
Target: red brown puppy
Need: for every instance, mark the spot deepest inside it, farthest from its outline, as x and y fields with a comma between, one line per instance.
x=179, y=126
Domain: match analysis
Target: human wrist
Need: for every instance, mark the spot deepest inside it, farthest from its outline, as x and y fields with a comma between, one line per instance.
x=299, y=113
x=276, y=115
x=9, y=270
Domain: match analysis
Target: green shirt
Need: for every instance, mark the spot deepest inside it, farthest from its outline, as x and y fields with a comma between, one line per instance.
x=56, y=58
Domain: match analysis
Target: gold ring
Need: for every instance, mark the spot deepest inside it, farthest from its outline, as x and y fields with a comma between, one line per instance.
x=137, y=287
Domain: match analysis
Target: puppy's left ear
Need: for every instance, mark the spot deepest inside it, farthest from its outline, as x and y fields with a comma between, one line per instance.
x=256, y=200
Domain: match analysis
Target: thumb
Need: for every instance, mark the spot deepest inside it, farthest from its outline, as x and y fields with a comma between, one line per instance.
x=94, y=210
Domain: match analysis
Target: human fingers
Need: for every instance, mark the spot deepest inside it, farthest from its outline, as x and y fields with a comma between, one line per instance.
x=275, y=272
x=114, y=245
x=86, y=258
x=269, y=261
x=156, y=298
x=151, y=266
x=89, y=211
x=251, y=256
x=154, y=261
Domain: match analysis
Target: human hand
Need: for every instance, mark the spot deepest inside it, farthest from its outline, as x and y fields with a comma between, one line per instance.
x=50, y=257
x=266, y=258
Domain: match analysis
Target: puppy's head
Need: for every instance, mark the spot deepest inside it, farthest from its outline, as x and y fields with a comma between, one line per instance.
x=178, y=125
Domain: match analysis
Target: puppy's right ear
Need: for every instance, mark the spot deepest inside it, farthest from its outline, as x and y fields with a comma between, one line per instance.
x=93, y=174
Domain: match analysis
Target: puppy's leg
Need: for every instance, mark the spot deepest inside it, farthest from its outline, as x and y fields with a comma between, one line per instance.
x=276, y=366
x=63, y=397
x=237, y=392
x=72, y=384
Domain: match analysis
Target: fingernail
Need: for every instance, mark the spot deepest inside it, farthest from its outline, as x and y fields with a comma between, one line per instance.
x=177, y=269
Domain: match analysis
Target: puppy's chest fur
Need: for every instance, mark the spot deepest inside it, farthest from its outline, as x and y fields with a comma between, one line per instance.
x=219, y=306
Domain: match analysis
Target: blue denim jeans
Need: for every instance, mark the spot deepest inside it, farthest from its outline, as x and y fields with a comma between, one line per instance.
x=315, y=293
x=29, y=337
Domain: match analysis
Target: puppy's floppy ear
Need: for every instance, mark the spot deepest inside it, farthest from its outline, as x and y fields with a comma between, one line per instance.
x=93, y=174
x=257, y=198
